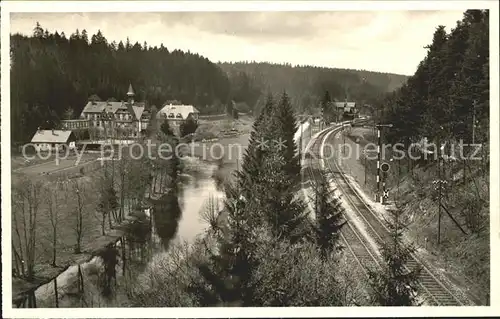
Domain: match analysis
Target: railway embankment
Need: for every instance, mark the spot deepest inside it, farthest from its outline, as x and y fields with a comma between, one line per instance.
x=462, y=254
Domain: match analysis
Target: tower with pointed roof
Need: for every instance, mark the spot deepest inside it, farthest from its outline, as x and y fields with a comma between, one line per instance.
x=130, y=94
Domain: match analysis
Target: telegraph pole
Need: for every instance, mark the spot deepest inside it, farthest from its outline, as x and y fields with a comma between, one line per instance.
x=439, y=190
x=364, y=153
x=379, y=158
x=474, y=122
x=300, y=141
x=343, y=137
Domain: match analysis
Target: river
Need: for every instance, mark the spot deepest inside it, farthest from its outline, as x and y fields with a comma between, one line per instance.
x=175, y=217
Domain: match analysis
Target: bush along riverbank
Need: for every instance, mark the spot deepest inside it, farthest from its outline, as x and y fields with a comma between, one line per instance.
x=62, y=234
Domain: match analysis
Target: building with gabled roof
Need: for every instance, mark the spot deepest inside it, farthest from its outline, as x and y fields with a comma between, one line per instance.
x=349, y=107
x=112, y=119
x=44, y=140
x=178, y=112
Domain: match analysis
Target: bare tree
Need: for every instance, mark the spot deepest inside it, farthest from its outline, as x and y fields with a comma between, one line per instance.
x=52, y=202
x=211, y=215
x=107, y=203
x=122, y=173
x=80, y=209
x=26, y=200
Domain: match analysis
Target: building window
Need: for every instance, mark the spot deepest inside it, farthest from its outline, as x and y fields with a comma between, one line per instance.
x=179, y=115
x=171, y=115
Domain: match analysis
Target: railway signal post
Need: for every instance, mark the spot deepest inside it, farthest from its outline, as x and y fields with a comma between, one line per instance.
x=384, y=167
x=379, y=127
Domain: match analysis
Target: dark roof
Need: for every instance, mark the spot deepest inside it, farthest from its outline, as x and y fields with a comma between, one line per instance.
x=113, y=107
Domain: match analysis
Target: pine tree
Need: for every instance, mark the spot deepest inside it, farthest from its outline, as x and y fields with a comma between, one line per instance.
x=282, y=211
x=228, y=272
x=326, y=106
x=394, y=284
x=166, y=129
x=174, y=164
x=329, y=219
x=435, y=104
x=250, y=174
x=285, y=127
x=188, y=126
x=68, y=114
x=38, y=31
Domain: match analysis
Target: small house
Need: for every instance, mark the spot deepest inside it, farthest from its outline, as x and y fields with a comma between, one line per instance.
x=348, y=110
x=45, y=140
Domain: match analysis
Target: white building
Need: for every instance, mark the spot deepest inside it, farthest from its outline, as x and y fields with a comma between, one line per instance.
x=45, y=140
x=177, y=113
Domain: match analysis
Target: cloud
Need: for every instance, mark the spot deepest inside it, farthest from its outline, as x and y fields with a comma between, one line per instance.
x=255, y=26
x=388, y=41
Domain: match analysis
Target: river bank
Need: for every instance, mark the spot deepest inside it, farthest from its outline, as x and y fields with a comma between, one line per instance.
x=174, y=218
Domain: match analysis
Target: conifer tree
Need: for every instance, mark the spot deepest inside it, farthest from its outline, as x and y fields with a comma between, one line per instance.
x=285, y=127
x=283, y=212
x=329, y=218
x=166, y=129
x=250, y=173
x=395, y=284
x=325, y=106
x=175, y=166
x=228, y=272
x=188, y=126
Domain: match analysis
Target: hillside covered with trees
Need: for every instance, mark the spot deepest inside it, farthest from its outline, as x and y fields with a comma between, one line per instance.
x=263, y=247
x=447, y=102
x=307, y=84
x=52, y=72
x=449, y=89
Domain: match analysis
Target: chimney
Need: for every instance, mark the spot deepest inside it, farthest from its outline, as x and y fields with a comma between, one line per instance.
x=53, y=133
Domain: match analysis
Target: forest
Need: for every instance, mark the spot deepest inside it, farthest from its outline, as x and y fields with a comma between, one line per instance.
x=52, y=73
x=449, y=90
x=447, y=102
x=264, y=247
x=307, y=84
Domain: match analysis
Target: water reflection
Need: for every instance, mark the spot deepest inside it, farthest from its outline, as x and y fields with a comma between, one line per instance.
x=173, y=216
x=110, y=260
x=165, y=216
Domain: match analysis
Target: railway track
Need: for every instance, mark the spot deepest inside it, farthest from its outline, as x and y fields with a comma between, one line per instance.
x=355, y=243
x=435, y=291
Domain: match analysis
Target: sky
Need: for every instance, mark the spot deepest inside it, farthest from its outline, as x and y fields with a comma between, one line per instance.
x=384, y=41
